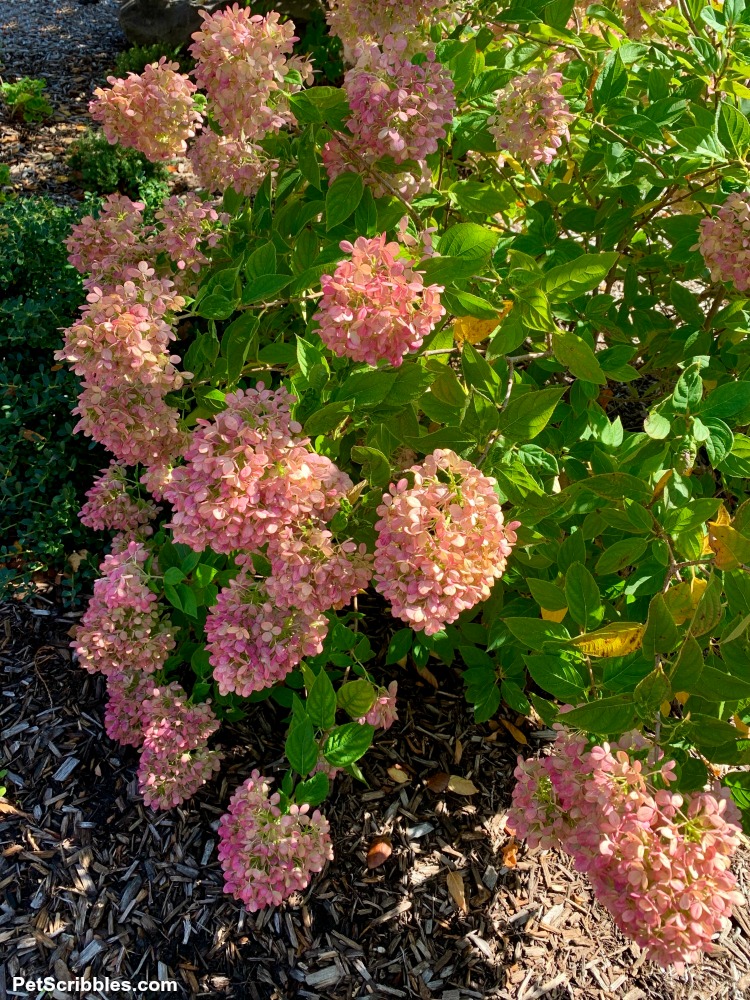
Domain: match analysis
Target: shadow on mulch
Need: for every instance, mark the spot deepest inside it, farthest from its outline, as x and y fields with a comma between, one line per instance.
x=94, y=884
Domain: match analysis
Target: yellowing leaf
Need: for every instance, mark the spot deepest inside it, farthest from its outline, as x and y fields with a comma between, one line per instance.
x=615, y=639
x=469, y=329
x=682, y=599
x=741, y=725
x=681, y=697
x=722, y=516
x=659, y=488
x=515, y=732
x=461, y=786
x=731, y=548
x=554, y=616
x=665, y=708
x=455, y=882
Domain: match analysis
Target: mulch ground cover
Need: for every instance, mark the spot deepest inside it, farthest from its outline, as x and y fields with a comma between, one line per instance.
x=94, y=884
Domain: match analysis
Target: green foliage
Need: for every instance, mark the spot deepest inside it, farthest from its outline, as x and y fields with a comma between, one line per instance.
x=26, y=100
x=44, y=469
x=137, y=57
x=106, y=169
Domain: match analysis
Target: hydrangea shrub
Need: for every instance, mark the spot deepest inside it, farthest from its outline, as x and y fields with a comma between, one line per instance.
x=468, y=334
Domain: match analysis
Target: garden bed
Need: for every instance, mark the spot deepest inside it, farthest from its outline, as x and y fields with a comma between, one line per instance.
x=95, y=883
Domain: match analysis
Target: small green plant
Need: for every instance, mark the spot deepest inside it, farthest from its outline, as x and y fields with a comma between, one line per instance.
x=137, y=57
x=105, y=169
x=3, y=789
x=4, y=180
x=26, y=99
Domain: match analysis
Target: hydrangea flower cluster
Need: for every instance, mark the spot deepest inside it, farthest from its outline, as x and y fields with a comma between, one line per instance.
x=399, y=109
x=122, y=629
x=109, y=246
x=383, y=713
x=362, y=22
x=171, y=733
x=247, y=474
x=243, y=63
x=109, y=505
x=267, y=855
x=186, y=226
x=152, y=112
x=658, y=860
x=310, y=570
x=175, y=759
x=375, y=306
x=532, y=117
x=222, y=161
x=106, y=246
x=120, y=347
x=124, y=334
x=724, y=241
x=441, y=543
x=133, y=422
x=252, y=641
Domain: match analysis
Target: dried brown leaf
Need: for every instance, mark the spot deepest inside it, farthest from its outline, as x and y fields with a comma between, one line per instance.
x=510, y=853
x=380, y=850
x=457, y=892
x=515, y=732
x=438, y=782
x=397, y=774
x=461, y=786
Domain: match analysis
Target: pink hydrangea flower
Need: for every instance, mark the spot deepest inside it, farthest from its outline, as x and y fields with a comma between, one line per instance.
x=313, y=572
x=123, y=715
x=658, y=860
x=187, y=225
x=267, y=855
x=441, y=542
x=109, y=505
x=152, y=112
x=383, y=713
x=252, y=642
x=122, y=629
x=124, y=334
x=247, y=475
x=221, y=162
x=362, y=22
x=106, y=247
x=244, y=64
x=175, y=760
x=375, y=307
x=132, y=421
x=399, y=109
x=532, y=117
x=724, y=242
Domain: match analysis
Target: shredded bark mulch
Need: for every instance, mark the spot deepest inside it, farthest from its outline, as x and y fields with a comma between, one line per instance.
x=94, y=884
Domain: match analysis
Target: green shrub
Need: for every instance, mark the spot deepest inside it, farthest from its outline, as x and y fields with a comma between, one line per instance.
x=44, y=469
x=105, y=169
x=26, y=99
x=137, y=57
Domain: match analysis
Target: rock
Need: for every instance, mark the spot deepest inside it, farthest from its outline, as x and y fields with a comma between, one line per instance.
x=172, y=22
x=168, y=22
